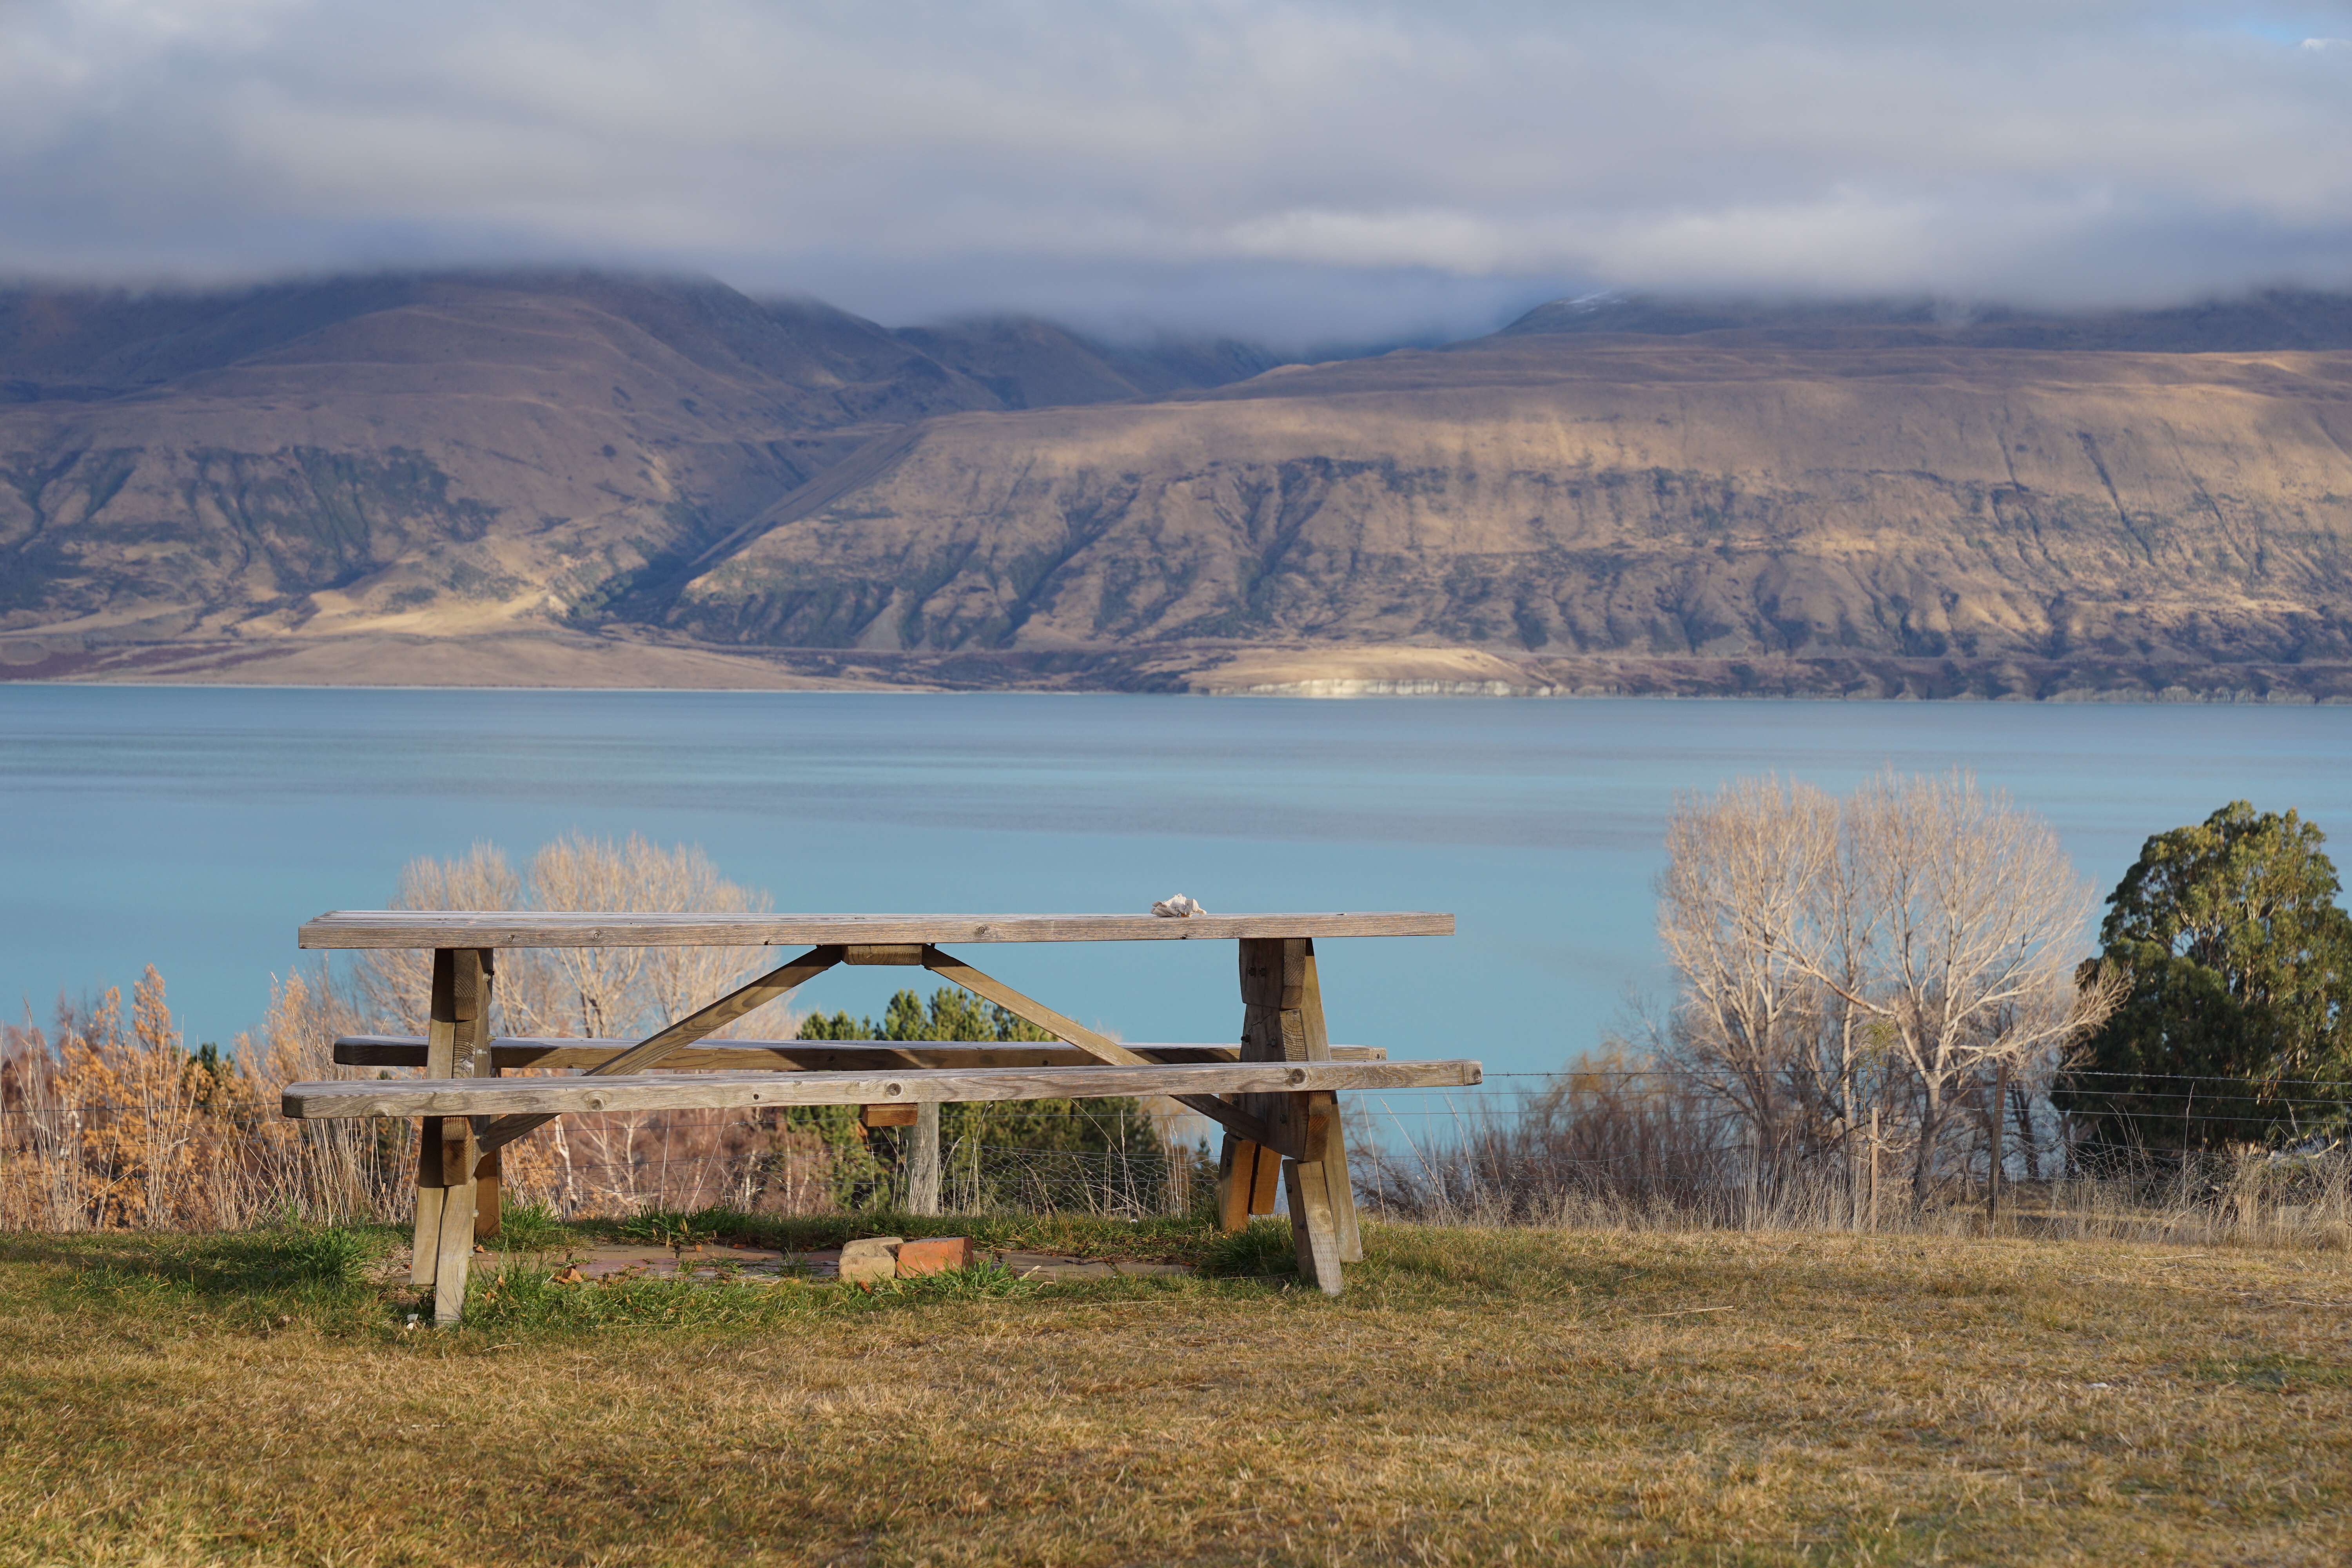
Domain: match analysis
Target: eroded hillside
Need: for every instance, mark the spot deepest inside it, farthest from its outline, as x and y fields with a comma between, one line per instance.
x=1535, y=495
x=443, y=455
x=597, y=480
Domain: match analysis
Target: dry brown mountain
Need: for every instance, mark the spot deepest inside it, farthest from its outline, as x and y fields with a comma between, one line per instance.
x=667, y=480
x=2012, y=520
x=435, y=457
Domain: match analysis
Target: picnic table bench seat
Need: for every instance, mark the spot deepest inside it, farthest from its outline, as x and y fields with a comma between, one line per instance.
x=1274, y=1091
x=884, y=1086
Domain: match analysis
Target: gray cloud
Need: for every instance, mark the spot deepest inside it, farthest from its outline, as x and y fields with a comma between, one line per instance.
x=1278, y=166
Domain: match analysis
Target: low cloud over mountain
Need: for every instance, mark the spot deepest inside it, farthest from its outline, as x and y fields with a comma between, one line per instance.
x=1292, y=170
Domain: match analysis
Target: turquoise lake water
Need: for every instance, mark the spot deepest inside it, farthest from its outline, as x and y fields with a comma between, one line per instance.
x=195, y=828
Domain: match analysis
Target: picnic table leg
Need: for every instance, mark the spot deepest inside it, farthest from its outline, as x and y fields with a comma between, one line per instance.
x=1282, y=1020
x=454, y=1046
x=1236, y=1160
x=455, y=1245
x=486, y=1208
x=1248, y=1177
x=1341, y=1185
x=440, y=1046
x=1313, y=1229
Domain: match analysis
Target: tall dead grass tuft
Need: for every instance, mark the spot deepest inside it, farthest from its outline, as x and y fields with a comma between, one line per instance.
x=107, y=1123
x=1603, y=1133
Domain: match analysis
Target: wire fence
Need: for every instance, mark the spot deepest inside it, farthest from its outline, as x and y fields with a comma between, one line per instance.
x=1614, y=1146
x=1657, y=1147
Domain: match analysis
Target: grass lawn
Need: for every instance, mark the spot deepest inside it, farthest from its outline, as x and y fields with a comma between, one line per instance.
x=1478, y=1396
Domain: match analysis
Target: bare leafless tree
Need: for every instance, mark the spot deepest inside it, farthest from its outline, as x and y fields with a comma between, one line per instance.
x=395, y=982
x=1901, y=948
x=1746, y=876
x=678, y=980
x=585, y=992
x=1972, y=922
x=623, y=991
x=601, y=993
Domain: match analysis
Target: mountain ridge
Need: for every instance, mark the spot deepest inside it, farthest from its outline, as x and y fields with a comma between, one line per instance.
x=588, y=471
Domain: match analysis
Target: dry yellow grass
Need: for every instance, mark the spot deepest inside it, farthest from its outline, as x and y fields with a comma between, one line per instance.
x=1478, y=1397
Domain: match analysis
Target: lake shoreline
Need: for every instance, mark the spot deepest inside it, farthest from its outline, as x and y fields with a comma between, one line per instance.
x=561, y=659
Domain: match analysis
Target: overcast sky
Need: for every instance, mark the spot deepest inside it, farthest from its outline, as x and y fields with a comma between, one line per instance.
x=1294, y=170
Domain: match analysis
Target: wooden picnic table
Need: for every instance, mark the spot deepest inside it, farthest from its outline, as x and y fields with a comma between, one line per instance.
x=1274, y=1091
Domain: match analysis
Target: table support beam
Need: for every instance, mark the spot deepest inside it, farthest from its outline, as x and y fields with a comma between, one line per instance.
x=448, y=1190
x=1282, y=1020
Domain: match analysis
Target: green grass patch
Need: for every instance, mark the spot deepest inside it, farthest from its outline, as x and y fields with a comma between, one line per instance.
x=2277, y=1372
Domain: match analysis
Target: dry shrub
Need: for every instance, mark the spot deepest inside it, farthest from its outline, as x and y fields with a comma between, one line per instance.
x=112, y=1126
x=1608, y=1133
x=616, y=1163
x=105, y=1124
x=1627, y=1143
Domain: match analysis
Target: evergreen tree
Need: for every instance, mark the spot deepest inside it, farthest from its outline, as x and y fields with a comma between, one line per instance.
x=955, y=1013
x=2237, y=959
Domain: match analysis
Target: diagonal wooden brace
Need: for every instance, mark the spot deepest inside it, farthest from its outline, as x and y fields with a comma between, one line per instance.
x=1102, y=1048
x=677, y=1037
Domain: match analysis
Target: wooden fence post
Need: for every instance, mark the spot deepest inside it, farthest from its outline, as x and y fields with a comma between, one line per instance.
x=923, y=1172
x=1993, y=1123
x=1873, y=1170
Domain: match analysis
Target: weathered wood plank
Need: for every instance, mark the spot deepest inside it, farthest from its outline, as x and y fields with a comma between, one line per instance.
x=477, y=990
x=726, y=1010
x=1313, y=1228
x=1236, y=1171
x=1338, y=1182
x=441, y=1015
x=440, y=1061
x=456, y=1242
x=923, y=1166
x=1259, y=962
x=661, y=1091
x=460, y=1006
x=425, y=1239
x=558, y=927
x=489, y=1203
x=1282, y=1020
x=1264, y=1186
x=788, y=1056
x=1341, y=1186
x=1100, y=1047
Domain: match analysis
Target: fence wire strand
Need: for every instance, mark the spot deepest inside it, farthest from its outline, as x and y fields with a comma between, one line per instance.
x=1613, y=1146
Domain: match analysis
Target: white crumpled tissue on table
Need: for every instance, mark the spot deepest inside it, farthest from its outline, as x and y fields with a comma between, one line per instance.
x=1179, y=908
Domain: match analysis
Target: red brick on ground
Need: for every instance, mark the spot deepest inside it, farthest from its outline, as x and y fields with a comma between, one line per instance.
x=934, y=1254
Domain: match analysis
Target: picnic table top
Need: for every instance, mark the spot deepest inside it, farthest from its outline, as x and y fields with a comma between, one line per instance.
x=558, y=928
